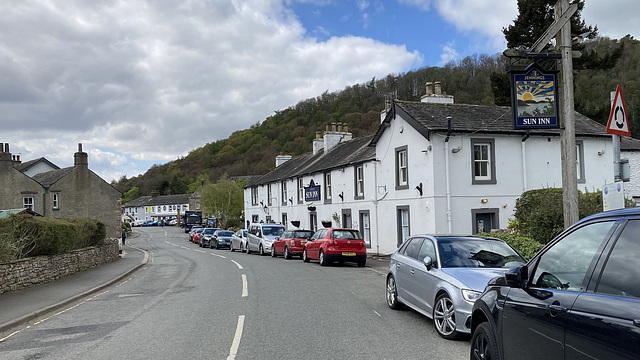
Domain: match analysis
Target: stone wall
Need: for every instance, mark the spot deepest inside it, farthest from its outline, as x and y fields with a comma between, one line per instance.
x=24, y=273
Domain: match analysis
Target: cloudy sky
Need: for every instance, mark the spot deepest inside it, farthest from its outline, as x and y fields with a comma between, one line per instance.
x=144, y=82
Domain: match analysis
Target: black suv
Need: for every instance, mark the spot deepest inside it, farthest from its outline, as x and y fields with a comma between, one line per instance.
x=578, y=298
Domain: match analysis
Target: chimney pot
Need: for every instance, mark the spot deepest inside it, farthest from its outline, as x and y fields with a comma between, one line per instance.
x=429, y=88
x=79, y=147
x=438, y=88
x=318, y=134
x=345, y=127
x=339, y=127
x=6, y=147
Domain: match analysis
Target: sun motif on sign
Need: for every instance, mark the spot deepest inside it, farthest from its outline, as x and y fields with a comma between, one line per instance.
x=534, y=90
x=527, y=96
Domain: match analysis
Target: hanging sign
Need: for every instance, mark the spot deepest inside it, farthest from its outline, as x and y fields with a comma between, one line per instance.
x=534, y=98
x=618, y=122
x=312, y=192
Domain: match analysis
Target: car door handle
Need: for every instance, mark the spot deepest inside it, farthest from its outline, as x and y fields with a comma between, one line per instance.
x=557, y=308
x=413, y=271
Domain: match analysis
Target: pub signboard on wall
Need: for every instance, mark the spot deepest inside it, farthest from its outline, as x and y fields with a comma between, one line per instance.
x=534, y=98
x=312, y=192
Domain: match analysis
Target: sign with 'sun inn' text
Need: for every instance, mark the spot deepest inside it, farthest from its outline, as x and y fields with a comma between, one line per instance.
x=534, y=98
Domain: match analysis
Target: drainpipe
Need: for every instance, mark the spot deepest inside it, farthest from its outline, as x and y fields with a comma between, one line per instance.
x=446, y=170
x=524, y=162
x=375, y=204
x=44, y=201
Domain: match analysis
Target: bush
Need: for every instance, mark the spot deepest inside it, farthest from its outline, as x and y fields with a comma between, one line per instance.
x=526, y=246
x=25, y=236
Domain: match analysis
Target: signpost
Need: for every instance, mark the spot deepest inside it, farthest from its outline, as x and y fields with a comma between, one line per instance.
x=613, y=196
x=618, y=123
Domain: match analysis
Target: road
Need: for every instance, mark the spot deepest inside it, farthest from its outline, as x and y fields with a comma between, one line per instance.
x=194, y=303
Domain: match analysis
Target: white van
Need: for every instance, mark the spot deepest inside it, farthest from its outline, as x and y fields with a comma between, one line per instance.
x=261, y=236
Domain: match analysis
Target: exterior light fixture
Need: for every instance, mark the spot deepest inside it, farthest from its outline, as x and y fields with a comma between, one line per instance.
x=484, y=201
x=419, y=189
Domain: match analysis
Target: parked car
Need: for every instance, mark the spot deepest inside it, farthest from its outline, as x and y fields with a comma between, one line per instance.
x=150, y=223
x=221, y=239
x=239, y=240
x=207, y=236
x=193, y=229
x=332, y=244
x=441, y=276
x=261, y=236
x=291, y=243
x=196, y=235
x=578, y=298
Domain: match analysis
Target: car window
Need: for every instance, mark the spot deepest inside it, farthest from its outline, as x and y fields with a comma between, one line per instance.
x=346, y=234
x=565, y=264
x=319, y=234
x=413, y=248
x=477, y=252
x=302, y=234
x=621, y=275
x=225, y=233
x=273, y=230
x=427, y=249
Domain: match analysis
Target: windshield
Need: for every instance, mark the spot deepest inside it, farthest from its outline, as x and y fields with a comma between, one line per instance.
x=477, y=253
x=346, y=234
x=225, y=233
x=272, y=230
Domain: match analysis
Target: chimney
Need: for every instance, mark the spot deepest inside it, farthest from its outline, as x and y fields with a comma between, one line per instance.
x=429, y=88
x=318, y=142
x=435, y=96
x=5, y=155
x=154, y=193
x=333, y=138
x=80, y=158
x=282, y=158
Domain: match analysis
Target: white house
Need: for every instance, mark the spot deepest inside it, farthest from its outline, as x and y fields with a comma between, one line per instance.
x=155, y=207
x=433, y=167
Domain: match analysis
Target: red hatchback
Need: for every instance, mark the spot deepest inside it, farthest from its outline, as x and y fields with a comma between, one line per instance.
x=291, y=243
x=341, y=245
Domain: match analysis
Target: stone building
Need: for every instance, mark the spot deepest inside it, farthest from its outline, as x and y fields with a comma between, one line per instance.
x=66, y=193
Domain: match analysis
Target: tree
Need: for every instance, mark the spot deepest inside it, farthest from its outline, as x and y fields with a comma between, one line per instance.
x=130, y=195
x=224, y=200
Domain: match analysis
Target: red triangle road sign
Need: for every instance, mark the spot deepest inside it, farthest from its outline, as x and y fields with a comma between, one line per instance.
x=618, y=121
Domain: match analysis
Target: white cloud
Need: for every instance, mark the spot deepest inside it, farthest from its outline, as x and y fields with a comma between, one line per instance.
x=449, y=53
x=152, y=80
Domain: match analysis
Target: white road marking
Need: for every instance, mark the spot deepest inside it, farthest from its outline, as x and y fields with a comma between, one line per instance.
x=236, y=339
x=377, y=313
x=238, y=265
x=201, y=251
x=220, y=256
x=245, y=289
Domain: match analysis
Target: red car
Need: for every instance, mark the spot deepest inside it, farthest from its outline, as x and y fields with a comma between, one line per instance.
x=290, y=243
x=196, y=235
x=341, y=245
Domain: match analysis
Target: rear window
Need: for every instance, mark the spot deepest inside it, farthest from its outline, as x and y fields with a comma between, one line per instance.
x=225, y=233
x=272, y=230
x=346, y=234
x=209, y=231
x=302, y=234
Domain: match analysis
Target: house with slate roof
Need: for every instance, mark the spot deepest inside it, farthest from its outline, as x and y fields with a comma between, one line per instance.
x=155, y=207
x=433, y=167
x=36, y=166
x=70, y=192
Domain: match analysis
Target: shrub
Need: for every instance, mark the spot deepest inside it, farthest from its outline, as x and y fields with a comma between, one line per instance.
x=526, y=246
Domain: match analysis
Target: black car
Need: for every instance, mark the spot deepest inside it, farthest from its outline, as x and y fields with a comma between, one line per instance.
x=221, y=239
x=578, y=298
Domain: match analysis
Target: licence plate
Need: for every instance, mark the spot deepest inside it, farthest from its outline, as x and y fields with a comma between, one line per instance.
x=302, y=242
x=348, y=254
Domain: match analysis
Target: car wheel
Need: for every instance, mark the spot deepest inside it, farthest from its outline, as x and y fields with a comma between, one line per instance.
x=444, y=317
x=305, y=258
x=217, y=245
x=287, y=254
x=392, y=294
x=321, y=259
x=362, y=263
x=484, y=344
x=261, y=250
x=242, y=248
x=273, y=251
x=232, y=248
x=248, y=249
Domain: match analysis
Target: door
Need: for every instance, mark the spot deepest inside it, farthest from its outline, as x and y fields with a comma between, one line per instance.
x=534, y=318
x=483, y=223
x=406, y=281
x=346, y=218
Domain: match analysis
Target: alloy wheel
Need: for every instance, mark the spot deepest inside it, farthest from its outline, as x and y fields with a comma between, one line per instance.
x=444, y=317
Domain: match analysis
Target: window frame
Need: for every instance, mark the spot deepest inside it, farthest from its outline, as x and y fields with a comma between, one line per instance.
x=490, y=178
x=254, y=196
x=28, y=202
x=401, y=169
x=300, y=190
x=580, y=171
x=358, y=182
x=55, y=201
x=400, y=226
x=283, y=185
x=327, y=187
x=269, y=202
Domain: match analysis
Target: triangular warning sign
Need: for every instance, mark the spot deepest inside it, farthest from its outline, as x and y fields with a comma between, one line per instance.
x=618, y=122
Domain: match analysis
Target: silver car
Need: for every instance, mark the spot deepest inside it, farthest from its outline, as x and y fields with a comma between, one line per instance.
x=442, y=276
x=239, y=240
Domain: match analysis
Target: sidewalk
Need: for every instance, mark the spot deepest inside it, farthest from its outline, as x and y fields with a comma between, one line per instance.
x=23, y=305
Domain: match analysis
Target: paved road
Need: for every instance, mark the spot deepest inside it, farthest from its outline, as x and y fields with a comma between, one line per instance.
x=194, y=303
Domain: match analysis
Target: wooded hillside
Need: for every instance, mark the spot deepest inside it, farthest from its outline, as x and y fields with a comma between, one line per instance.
x=252, y=151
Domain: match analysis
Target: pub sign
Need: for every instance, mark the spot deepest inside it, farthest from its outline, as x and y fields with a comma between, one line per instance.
x=312, y=192
x=534, y=98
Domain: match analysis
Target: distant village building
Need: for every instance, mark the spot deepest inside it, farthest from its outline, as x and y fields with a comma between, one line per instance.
x=155, y=207
x=433, y=167
x=66, y=193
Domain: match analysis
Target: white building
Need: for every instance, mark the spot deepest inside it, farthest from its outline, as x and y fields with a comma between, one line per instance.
x=155, y=207
x=433, y=167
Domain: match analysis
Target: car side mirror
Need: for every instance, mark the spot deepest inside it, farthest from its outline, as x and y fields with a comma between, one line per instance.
x=428, y=262
x=517, y=276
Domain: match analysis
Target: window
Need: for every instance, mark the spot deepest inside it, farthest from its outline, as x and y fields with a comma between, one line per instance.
x=413, y=248
x=403, y=223
x=284, y=192
x=300, y=190
x=27, y=202
x=580, y=162
x=402, y=170
x=565, y=264
x=56, y=203
x=365, y=228
x=359, y=182
x=255, y=218
x=269, y=194
x=284, y=219
x=483, y=220
x=621, y=273
x=482, y=162
x=427, y=249
x=327, y=187
x=346, y=218
x=254, y=196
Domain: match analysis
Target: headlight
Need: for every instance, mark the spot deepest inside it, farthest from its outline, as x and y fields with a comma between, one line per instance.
x=470, y=295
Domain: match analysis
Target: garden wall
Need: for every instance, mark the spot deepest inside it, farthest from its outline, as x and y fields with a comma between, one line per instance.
x=27, y=272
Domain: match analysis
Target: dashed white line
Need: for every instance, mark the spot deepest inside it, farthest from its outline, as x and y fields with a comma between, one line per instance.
x=236, y=339
x=220, y=256
x=377, y=313
x=245, y=289
x=238, y=265
x=201, y=251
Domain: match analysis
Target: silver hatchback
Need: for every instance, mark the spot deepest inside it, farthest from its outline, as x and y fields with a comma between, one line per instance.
x=441, y=277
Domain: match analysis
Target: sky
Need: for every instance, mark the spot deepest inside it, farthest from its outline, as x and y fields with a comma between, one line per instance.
x=140, y=83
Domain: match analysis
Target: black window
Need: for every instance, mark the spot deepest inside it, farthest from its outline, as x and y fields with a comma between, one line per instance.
x=413, y=249
x=621, y=275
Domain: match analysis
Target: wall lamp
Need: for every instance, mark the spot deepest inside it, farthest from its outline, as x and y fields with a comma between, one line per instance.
x=484, y=201
x=419, y=189
x=341, y=195
x=291, y=200
x=456, y=149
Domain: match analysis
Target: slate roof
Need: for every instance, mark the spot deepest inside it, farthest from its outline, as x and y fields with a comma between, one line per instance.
x=348, y=153
x=629, y=144
x=22, y=167
x=159, y=200
x=432, y=117
x=51, y=177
